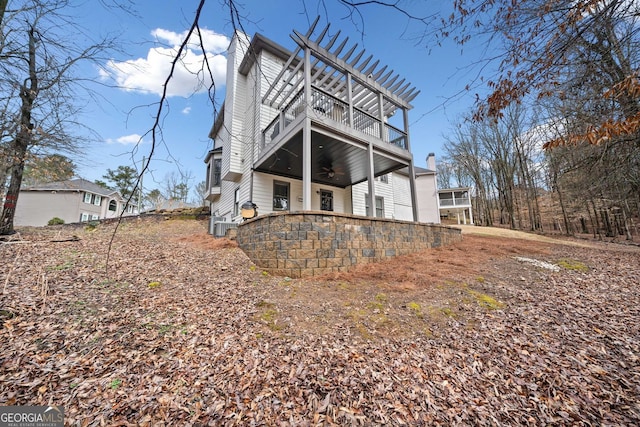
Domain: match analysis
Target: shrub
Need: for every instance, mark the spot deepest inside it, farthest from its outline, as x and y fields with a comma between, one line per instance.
x=91, y=225
x=55, y=221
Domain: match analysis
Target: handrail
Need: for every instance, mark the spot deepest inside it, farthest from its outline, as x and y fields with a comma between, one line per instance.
x=328, y=105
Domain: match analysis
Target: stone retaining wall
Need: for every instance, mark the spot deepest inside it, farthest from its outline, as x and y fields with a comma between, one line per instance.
x=310, y=243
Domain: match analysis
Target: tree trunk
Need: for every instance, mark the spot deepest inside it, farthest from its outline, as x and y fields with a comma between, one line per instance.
x=563, y=209
x=19, y=146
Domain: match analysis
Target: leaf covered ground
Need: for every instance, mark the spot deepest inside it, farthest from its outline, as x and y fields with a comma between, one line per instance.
x=181, y=329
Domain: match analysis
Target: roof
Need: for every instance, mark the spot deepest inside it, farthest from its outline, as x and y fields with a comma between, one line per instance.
x=448, y=190
x=418, y=171
x=258, y=43
x=423, y=171
x=211, y=153
x=77, y=185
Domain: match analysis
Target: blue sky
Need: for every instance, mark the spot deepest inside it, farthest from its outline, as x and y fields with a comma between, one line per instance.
x=126, y=113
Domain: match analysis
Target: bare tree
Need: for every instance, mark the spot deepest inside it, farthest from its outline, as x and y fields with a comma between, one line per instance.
x=37, y=85
x=177, y=185
x=201, y=192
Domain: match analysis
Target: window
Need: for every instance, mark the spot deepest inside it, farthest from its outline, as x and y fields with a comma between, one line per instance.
x=384, y=178
x=95, y=217
x=129, y=208
x=217, y=168
x=236, y=202
x=97, y=200
x=379, y=206
x=326, y=200
x=280, y=196
x=113, y=206
x=87, y=198
x=84, y=216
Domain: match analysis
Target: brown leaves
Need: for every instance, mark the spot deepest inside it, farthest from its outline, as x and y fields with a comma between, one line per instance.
x=608, y=131
x=194, y=350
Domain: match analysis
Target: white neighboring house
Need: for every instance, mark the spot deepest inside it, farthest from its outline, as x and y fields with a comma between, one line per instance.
x=314, y=129
x=456, y=202
x=75, y=200
x=427, y=186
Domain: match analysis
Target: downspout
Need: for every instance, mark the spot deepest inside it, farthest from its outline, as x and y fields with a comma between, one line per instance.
x=412, y=172
x=256, y=92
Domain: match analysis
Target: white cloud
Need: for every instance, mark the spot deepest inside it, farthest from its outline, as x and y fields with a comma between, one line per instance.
x=132, y=139
x=213, y=42
x=186, y=110
x=149, y=74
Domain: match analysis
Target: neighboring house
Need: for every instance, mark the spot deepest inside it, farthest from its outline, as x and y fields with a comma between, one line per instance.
x=319, y=128
x=426, y=184
x=456, y=202
x=74, y=200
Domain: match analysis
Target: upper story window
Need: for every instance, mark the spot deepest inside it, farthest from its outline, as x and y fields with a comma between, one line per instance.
x=217, y=170
x=113, y=206
x=92, y=199
x=384, y=178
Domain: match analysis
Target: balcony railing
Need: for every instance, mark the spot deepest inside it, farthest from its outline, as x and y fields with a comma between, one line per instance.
x=463, y=201
x=324, y=104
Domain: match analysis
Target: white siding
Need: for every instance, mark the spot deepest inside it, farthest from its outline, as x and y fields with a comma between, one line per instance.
x=270, y=67
x=235, y=106
x=263, y=194
x=382, y=189
x=427, y=191
x=403, y=209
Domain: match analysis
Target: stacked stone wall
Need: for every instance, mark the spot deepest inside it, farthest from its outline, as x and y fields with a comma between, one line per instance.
x=303, y=244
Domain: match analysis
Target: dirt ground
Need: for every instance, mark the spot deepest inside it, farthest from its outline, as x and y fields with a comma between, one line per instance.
x=173, y=327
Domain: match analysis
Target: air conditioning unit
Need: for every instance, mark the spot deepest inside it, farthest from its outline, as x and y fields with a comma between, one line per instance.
x=220, y=228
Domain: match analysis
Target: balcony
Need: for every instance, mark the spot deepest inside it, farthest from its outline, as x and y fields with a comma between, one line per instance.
x=350, y=114
x=462, y=202
x=326, y=106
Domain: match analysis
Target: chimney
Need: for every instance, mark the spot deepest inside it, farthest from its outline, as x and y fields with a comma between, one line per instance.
x=431, y=161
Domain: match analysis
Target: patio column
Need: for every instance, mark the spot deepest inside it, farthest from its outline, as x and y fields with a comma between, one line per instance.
x=306, y=135
x=371, y=182
x=350, y=99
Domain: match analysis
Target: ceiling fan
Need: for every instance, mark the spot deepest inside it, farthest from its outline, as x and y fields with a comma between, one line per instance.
x=330, y=172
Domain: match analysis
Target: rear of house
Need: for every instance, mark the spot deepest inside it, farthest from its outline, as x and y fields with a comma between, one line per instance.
x=305, y=130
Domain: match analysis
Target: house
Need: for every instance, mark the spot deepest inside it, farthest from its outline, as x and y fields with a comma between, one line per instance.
x=426, y=183
x=456, y=202
x=75, y=200
x=319, y=128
